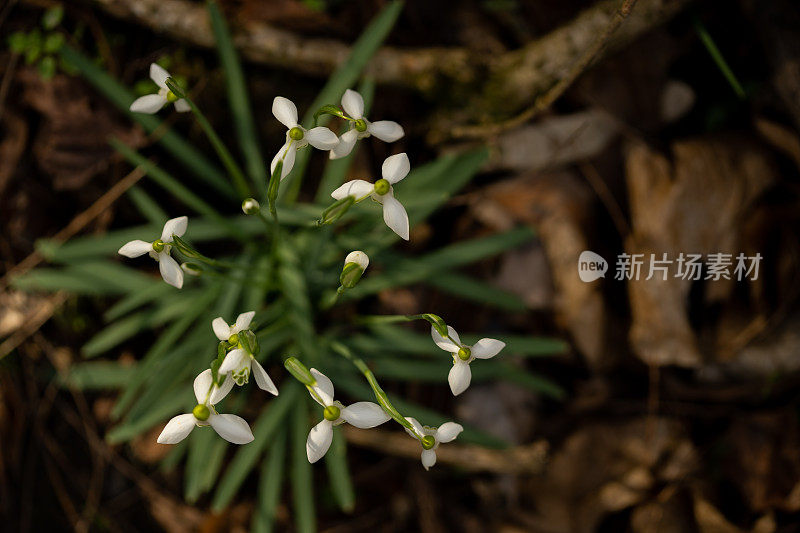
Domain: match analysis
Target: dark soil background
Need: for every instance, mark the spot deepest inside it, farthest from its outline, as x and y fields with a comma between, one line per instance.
x=681, y=412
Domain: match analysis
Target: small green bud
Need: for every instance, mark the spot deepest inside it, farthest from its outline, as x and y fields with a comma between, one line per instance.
x=296, y=133
x=233, y=340
x=172, y=97
x=361, y=125
x=201, y=412
x=382, y=186
x=299, y=371
x=428, y=442
x=464, y=353
x=332, y=413
x=158, y=246
x=351, y=273
x=251, y=206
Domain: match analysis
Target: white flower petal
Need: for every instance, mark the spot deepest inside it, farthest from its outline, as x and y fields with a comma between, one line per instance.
x=487, y=348
x=448, y=432
x=287, y=152
x=444, y=343
x=159, y=75
x=428, y=458
x=323, y=387
x=177, y=429
x=135, y=248
x=176, y=226
x=202, y=385
x=150, y=104
x=395, y=216
x=386, y=130
x=416, y=425
x=243, y=321
x=322, y=138
x=358, y=257
x=170, y=270
x=353, y=104
x=319, y=440
x=218, y=393
x=356, y=188
x=221, y=328
x=182, y=106
x=232, y=428
x=285, y=111
x=395, y=168
x=233, y=361
x=346, y=143
x=365, y=415
x=262, y=379
x=459, y=377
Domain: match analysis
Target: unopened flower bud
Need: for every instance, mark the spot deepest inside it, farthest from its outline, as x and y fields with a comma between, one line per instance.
x=354, y=266
x=251, y=206
x=193, y=269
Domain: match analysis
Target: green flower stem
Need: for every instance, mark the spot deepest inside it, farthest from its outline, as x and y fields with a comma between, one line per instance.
x=380, y=395
x=186, y=249
x=716, y=55
x=237, y=176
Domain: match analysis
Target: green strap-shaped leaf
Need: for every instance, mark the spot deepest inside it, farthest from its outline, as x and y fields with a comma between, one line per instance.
x=305, y=519
x=269, y=484
x=339, y=473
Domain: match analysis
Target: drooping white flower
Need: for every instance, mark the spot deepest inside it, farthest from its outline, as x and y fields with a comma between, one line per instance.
x=361, y=128
x=238, y=362
x=360, y=414
x=460, y=375
x=160, y=250
x=394, y=169
x=432, y=437
x=152, y=103
x=297, y=136
x=230, y=427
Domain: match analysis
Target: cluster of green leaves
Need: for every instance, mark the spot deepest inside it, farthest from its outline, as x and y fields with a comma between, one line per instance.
x=41, y=46
x=285, y=281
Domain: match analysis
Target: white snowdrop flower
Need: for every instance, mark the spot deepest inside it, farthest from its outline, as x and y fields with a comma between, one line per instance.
x=159, y=250
x=460, y=375
x=432, y=437
x=361, y=128
x=297, y=136
x=152, y=103
x=238, y=362
x=394, y=169
x=360, y=414
x=230, y=427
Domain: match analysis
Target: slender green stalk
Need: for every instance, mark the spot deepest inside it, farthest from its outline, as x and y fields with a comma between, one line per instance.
x=716, y=55
x=236, y=174
x=380, y=395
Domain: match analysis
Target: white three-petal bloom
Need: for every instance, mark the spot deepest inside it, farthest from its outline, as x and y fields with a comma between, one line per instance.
x=394, y=169
x=360, y=414
x=152, y=103
x=360, y=128
x=444, y=433
x=230, y=427
x=238, y=362
x=460, y=375
x=297, y=136
x=159, y=250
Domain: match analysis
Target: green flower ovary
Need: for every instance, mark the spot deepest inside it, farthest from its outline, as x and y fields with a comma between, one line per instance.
x=361, y=125
x=464, y=353
x=296, y=134
x=172, y=97
x=332, y=413
x=234, y=339
x=428, y=442
x=158, y=246
x=382, y=186
x=201, y=412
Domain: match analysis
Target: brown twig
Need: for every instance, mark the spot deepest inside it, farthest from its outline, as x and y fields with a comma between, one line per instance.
x=543, y=102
